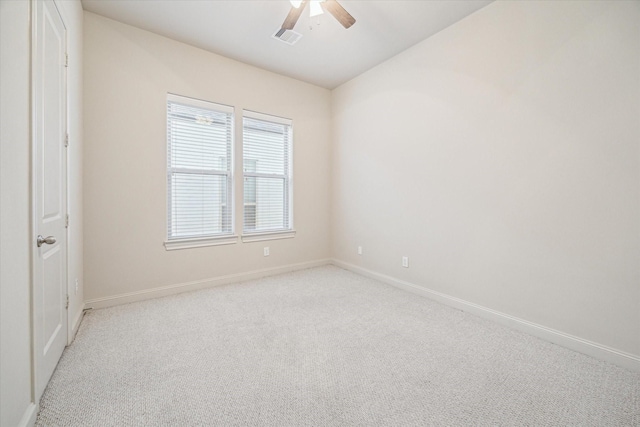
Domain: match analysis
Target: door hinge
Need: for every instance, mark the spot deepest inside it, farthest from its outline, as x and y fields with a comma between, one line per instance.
x=66, y=59
x=66, y=221
x=67, y=306
x=66, y=140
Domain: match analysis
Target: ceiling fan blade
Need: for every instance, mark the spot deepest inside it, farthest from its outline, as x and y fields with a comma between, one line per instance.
x=293, y=16
x=338, y=12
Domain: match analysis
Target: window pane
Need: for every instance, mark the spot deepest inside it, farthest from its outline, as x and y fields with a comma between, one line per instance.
x=266, y=144
x=199, y=139
x=198, y=205
x=266, y=164
x=269, y=211
x=192, y=147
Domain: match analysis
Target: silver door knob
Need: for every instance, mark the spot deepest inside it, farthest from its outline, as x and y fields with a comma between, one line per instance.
x=49, y=240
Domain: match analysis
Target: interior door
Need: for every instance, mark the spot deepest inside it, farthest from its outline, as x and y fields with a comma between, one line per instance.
x=49, y=204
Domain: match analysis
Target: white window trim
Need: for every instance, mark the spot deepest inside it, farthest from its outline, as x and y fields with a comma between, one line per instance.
x=175, y=244
x=271, y=235
x=223, y=239
x=267, y=117
x=290, y=232
x=200, y=103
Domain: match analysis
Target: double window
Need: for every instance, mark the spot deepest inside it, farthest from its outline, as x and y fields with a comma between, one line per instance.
x=200, y=183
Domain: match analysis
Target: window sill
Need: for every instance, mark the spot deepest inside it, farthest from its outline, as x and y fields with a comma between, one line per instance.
x=172, y=245
x=259, y=237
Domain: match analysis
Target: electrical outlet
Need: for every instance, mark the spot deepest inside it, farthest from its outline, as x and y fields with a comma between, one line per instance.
x=359, y=250
x=77, y=286
x=266, y=251
x=405, y=261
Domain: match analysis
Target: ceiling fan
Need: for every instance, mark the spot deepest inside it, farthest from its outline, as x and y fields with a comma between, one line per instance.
x=317, y=7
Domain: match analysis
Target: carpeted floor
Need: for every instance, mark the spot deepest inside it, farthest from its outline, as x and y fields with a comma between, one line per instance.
x=323, y=347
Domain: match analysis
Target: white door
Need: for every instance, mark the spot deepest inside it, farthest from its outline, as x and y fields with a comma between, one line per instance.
x=49, y=188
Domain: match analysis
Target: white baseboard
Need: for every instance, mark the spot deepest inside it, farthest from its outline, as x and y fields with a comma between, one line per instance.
x=598, y=351
x=29, y=416
x=198, y=284
x=76, y=325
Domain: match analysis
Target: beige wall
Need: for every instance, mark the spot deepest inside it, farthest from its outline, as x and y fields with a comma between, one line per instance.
x=128, y=73
x=17, y=406
x=502, y=156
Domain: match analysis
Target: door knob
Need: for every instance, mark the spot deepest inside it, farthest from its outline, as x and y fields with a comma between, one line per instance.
x=49, y=240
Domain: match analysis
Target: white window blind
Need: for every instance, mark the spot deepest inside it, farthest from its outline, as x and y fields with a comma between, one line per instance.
x=267, y=154
x=199, y=162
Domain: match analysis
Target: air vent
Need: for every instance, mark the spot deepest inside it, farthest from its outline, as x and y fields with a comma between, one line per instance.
x=287, y=36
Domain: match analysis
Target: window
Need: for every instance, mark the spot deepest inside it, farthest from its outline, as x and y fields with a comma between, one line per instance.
x=199, y=179
x=267, y=153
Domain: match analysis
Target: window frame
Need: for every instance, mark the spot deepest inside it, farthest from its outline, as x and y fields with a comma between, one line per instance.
x=224, y=238
x=284, y=233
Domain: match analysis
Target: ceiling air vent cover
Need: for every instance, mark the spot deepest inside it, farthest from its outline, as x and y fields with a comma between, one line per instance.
x=287, y=36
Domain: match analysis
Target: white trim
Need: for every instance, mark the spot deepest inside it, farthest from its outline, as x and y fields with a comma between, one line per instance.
x=287, y=177
x=199, y=284
x=590, y=348
x=259, y=237
x=29, y=416
x=228, y=174
x=266, y=117
x=176, y=244
x=195, y=102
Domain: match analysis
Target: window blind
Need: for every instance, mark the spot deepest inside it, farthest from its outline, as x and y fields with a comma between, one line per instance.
x=199, y=164
x=267, y=155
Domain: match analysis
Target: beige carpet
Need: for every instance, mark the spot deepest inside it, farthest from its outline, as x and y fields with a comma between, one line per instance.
x=323, y=347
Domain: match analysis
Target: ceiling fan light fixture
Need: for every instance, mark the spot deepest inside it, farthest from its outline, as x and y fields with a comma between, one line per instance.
x=315, y=9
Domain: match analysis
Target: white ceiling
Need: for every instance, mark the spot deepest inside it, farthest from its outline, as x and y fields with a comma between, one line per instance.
x=327, y=55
